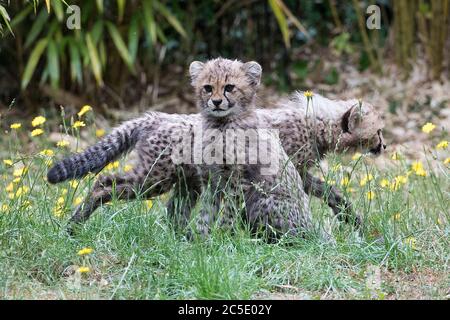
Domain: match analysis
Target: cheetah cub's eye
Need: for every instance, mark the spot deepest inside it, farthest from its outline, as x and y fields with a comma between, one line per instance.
x=229, y=88
x=208, y=88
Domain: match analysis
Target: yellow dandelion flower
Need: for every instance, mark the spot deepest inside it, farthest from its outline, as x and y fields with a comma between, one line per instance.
x=345, y=181
x=58, y=212
x=395, y=156
x=421, y=173
x=8, y=162
x=99, y=133
x=428, y=127
x=85, y=251
x=370, y=195
x=396, y=216
x=60, y=201
x=17, y=180
x=418, y=169
x=417, y=165
x=384, y=183
x=336, y=167
x=26, y=204
x=84, y=110
x=4, y=208
x=127, y=168
x=37, y=132
x=112, y=165
x=77, y=201
x=356, y=156
x=47, y=152
x=149, y=204
x=442, y=145
x=447, y=161
x=39, y=120
x=83, y=270
x=20, y=172
x=78, y=124
x=21, y=191
x=62, y=143
x=411, y=242
x=11, y=195
x=64, y=191
x=308, y=94
x=9, y=187
x=15, y=126
x=366, y=179
x=74, y=184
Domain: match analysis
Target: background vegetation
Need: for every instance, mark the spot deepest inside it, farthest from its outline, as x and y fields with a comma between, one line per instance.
x=124, y=46
x=62, y=89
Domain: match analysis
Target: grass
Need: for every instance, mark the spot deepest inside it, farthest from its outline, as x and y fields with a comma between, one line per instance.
x=403, y=253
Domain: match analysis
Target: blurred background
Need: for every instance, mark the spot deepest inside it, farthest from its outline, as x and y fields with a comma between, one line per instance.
x=123, y=57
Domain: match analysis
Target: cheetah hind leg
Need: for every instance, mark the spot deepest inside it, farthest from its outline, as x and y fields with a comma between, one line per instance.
x=124, y=187
x=275, y=215
x=341, y=207
x=183, y=199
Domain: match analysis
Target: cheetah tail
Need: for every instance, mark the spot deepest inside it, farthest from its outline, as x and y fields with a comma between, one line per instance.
x=96, y=157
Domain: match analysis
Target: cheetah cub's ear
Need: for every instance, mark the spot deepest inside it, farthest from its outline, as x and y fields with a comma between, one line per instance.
x=351, y=119
x=253, y=71
x=194, y=70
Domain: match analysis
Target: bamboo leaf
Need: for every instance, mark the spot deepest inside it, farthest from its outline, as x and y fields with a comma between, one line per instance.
x=133, y=37
x=53, y=63
x=18, y=18
x=97, y=31
x=6, y=18
x=282, y=22
x=75, y=62
x=33, y=61
x=58, y=8
x=47, y=2
x=36, y=28
x=121, y=8
x=120, y=45
x=94, y=60
x=100, y=6
x=149, y=20
x=170, y=18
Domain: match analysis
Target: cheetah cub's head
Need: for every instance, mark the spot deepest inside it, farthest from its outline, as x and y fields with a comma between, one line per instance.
x=225, y=87
x=362, y=126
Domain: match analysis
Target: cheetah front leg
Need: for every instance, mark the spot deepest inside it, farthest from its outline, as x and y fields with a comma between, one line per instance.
x=341, y=207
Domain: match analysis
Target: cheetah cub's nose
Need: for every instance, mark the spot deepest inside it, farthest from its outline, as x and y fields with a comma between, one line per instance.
x=217, y=102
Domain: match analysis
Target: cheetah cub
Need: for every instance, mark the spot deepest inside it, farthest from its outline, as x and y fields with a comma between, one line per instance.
x=266, y=180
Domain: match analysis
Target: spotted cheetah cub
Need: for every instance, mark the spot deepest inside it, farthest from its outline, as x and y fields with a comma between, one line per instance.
x=248, y=162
